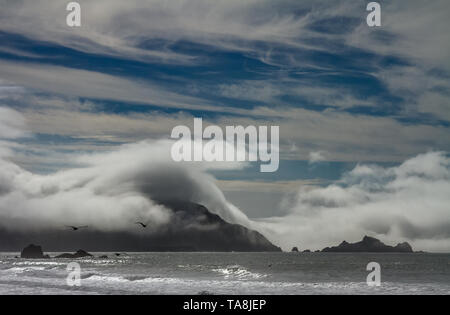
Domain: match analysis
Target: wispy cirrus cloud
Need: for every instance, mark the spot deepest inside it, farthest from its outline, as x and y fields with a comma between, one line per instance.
x=87, y=124
x=90, y=84
x=108, y=28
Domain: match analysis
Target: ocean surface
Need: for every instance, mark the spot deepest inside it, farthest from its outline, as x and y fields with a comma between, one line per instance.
x=228, y=273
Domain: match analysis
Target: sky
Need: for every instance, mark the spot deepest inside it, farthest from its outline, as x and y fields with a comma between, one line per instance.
x=364, y=114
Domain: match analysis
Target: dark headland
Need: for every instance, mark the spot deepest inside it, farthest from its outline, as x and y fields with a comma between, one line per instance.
x=192, y=228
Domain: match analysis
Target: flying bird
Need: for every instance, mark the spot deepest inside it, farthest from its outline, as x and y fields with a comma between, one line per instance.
x=76, y=228
x=142, y=224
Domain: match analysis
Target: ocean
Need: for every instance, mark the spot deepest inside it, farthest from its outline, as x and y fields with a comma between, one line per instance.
x=228, y=274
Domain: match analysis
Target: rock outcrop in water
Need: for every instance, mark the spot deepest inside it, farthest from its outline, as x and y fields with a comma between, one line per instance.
x=192, y=228
x=33, y=252
x=79, y=254
x=370, y=245
x=294, y=249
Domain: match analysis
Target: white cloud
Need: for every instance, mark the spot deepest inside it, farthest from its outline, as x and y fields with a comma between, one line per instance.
x=345, y=137
x=316, y=156
x=406, y=32
x=271, y=93
x=117, y=28
x=109, y=192
x=435, y=103
x=422, y=81
x=12, y=124
x=83, y=83
x=112, y=27
x=404, y=203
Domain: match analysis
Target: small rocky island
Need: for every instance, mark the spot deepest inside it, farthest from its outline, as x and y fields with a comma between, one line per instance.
x=33, y=252
x=79, y=254
x=369, y=245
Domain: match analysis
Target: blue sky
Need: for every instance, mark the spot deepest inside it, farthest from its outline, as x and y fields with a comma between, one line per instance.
x=132, y=72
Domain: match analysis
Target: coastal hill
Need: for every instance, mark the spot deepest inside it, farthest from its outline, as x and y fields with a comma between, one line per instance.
x=369, y=245
x=191, y=228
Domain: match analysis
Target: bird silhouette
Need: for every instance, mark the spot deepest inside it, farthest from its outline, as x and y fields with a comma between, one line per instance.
x=142, y=224
x=76, y=228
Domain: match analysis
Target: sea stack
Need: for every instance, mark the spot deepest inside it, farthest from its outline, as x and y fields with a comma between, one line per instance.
x=33, y=252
